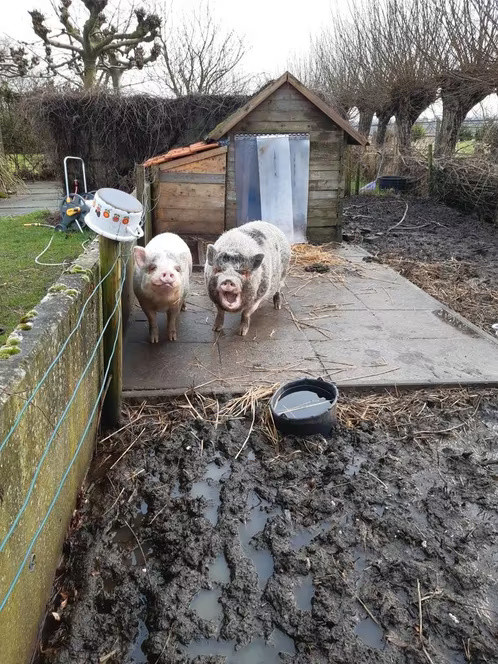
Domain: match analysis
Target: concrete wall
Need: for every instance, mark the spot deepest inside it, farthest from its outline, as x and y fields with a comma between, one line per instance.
x=19, y=374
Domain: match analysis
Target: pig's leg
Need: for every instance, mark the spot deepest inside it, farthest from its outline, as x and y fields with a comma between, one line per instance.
x=277, y=301
x=184, y=304
x=245, y=319
x=219, y=320
x=153, y=329
x=172, y=316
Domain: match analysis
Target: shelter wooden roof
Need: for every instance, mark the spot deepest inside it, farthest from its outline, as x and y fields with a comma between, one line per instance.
x=177, y=153
x=224, y=127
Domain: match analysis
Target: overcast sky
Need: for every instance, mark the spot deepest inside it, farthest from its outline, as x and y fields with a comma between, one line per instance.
x=274, y=30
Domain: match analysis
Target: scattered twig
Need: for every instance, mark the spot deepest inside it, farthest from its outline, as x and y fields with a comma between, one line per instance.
x=368, y=611
x=253, y=407
x=138, y=542
x=127, y=449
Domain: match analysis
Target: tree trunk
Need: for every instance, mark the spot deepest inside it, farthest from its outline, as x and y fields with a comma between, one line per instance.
x=116, y=75
x=365, y=122
x=456, y=106
x=384, y=118
x=90, y=74
x=2, y=148
x=404, y=124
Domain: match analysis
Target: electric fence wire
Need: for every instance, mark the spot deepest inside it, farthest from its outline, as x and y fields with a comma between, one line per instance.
x=57, y=357
x=80, y=444
x=54, y=433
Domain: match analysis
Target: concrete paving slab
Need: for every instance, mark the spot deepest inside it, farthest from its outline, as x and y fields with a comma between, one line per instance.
x=42, y=195
x=169, y=366
x=267, y=362
x=363, y=325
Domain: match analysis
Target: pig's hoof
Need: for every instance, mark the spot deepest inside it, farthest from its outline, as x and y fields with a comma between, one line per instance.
x=277, y=304
x=217, y=328
x=243, y=330
x=172, y=336
x=184, y=307
x=154, y=337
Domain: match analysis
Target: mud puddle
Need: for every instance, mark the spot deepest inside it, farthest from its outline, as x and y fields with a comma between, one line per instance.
x=302, y=556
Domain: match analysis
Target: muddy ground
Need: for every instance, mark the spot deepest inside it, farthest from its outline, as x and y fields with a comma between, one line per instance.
x=451, y=255
x=378, y=544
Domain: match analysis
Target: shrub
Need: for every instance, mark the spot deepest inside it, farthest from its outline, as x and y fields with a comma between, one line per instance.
x=112, y=133
x=465, y=133
x=418, y=132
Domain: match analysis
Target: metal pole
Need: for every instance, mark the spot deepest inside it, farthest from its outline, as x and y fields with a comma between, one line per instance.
x=109, y=254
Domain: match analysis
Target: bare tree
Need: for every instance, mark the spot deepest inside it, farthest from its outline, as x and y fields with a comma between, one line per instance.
x=97, y=44
x=399, y=36
x=466, y=59
x=199, y=57
x=370, y=60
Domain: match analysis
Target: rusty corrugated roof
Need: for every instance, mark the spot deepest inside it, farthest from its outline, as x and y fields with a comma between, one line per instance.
x=176, y=153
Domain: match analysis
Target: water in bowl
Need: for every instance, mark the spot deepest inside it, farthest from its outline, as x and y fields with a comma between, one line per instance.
x=302, y=404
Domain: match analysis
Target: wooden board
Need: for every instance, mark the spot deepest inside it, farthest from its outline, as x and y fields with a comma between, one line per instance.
x=294, y=89
x=177, y=215
x=193, y=178
x=200, y=226
x=190, y=194
x=215, y=164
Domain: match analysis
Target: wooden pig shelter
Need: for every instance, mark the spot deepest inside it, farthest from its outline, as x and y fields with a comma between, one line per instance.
x=280, y=158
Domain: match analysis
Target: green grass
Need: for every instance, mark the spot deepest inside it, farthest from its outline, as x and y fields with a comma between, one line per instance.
x=23, y=283
x=466, y=147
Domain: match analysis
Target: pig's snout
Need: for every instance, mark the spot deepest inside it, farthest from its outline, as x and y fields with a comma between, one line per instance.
x=166, y=278
x=228, y=286
x=230, y=295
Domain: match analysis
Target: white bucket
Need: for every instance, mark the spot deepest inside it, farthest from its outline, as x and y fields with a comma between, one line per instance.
x=116, y=215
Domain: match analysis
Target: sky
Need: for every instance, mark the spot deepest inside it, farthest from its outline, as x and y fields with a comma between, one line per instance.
x=275, y=31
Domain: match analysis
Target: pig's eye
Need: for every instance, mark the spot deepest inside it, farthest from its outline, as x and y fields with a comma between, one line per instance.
x=216, y=270
x=151, y=268
x=178, y=268
x=244, y=273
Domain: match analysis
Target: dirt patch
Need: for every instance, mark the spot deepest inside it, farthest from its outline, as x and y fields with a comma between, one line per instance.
x=378, y=545
x=451, y=255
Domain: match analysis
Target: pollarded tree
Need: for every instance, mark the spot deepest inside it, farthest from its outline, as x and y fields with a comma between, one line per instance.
x=467, y=59
x=96, y=43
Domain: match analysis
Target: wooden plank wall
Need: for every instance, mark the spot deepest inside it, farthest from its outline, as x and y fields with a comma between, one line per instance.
x=288, y=111
x=190, y=196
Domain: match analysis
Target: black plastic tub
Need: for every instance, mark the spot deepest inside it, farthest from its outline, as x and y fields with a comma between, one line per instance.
x=396, y=182
x=305, y=407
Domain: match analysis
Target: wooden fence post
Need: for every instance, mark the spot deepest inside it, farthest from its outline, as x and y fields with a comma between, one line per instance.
x=430, y=169
x=347, y=179
x=140, y=189
x=357, y=179
x=113, y=337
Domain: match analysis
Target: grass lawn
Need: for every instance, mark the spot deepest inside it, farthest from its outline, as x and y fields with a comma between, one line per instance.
x=23, y=283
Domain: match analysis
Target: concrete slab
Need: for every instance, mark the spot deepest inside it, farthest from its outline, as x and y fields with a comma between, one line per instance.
x=42, y=195
x=361, y=325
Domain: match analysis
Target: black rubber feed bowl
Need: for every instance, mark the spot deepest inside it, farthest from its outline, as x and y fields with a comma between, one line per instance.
x=305, y=407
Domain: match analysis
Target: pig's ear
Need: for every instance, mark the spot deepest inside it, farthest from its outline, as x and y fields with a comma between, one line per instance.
x=139, y=256
x=210, y=254
x=257, y=260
